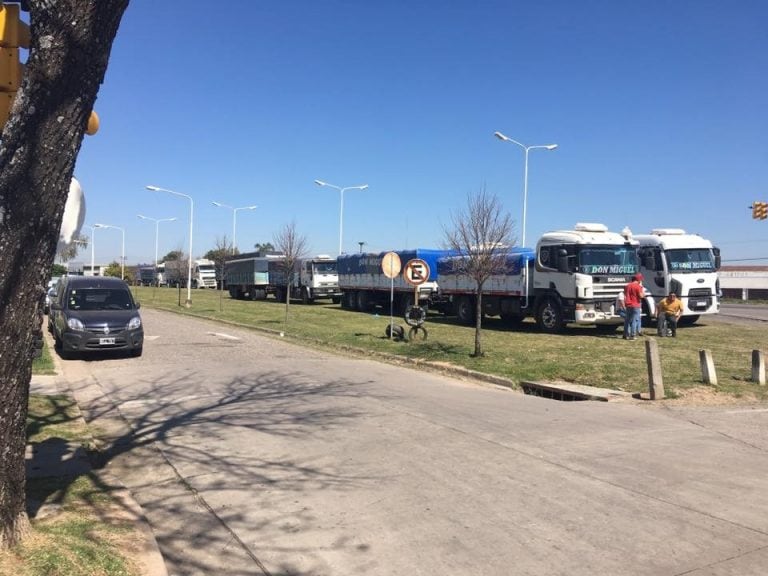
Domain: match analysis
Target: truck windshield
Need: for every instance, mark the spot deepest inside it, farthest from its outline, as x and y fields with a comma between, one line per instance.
x=691, y=260
x=206, y=268
x=608, y=260
x=325, y=267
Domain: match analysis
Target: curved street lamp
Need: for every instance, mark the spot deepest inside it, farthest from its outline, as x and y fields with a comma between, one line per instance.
x=341, y=209
x=234, y=219
x=188, y=303
x=527, y=149
x=122, y=250
x=157, y=233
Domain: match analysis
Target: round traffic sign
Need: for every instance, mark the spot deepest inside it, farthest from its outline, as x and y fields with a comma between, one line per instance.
x=416, y=272
x=391, y=265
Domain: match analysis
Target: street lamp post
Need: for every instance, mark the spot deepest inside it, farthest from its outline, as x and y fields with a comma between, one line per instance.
x=527, y=149
x=234, y=220
x=122, y=249
x=341, y=208
x=188, y=303
x=157, y=233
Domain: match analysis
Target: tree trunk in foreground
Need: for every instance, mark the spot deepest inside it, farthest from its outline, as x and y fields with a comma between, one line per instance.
x=70, y=46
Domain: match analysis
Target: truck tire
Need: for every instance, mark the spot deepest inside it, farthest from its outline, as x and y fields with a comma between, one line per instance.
x=688, y=320
x=363, y=301
x=258, y=294
x=336, y=299
x=465, y=310
x=353, y=300
x=549, y=316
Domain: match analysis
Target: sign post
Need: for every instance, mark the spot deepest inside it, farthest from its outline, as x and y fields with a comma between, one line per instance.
x=416, y=272
x=391, y=266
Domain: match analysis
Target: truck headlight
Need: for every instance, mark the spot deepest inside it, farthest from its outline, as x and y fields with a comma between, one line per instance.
x=75, y=324
x=134, y=323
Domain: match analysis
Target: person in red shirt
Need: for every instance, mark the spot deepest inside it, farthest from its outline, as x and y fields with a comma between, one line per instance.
x=633, y=298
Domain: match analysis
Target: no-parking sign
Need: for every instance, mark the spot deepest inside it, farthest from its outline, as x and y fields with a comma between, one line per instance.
x=416, y=272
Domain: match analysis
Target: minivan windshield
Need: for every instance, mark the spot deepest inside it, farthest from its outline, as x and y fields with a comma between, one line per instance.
x=99, y=299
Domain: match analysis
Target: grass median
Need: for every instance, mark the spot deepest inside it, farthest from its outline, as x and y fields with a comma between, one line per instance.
x=78, y=529
x=580, y=355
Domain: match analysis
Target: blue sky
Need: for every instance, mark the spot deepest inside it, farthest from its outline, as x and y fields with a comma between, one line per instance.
x=658, y=109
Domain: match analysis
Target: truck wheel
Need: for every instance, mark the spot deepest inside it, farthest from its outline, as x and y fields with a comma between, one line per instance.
x=688, y=320
x=336, y=300
x=353, y=300
x=549, y=316
x=465, y=310
x=363, y=301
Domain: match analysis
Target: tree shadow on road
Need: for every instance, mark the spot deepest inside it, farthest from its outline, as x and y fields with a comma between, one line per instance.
x=189, y=445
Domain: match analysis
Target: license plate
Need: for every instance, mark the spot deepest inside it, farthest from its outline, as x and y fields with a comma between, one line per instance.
x=106, y=341
x=701, y=303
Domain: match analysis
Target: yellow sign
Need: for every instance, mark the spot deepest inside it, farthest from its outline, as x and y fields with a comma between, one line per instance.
x=391, y=265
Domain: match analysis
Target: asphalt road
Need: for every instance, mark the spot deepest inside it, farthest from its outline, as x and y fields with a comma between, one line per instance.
x=751, y=312
x=250, y=456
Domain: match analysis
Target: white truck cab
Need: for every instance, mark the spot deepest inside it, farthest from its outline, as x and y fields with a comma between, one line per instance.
x=579, y=274
x=686, y=264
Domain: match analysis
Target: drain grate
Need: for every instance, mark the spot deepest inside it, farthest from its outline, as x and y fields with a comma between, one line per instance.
x=566, y=392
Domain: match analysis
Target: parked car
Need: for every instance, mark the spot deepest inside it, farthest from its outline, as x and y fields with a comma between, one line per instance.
x=50, y=293
x=95, y=314
x=49, y=296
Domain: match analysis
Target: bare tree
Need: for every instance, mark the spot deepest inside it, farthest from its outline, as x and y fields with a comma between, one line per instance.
x=482, y=235
x=293, y=247
x=222, y=250
x=69, y=50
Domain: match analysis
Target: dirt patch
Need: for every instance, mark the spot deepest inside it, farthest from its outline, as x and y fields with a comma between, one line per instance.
x=709, y=396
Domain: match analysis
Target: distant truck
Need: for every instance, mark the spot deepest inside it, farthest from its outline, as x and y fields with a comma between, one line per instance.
x=687, y=264
x=573, y=276
x=246, y=276
x=175, y=273
x=363, y=283
x=145, y=276
x=313, y=279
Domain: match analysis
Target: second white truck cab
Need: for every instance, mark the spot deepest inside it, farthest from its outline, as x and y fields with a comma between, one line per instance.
x=686, y=264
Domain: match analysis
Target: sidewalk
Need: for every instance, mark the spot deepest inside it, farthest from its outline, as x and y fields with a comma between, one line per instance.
x=53, y=459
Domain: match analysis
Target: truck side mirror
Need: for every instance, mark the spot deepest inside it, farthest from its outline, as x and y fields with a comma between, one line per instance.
x=718, y=261
x=562, y=260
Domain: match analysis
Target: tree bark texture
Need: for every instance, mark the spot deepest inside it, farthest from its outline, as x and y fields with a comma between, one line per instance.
x=479, y=320
x=70, y=46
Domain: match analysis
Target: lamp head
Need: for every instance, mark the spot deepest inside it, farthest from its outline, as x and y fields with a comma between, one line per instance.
x=217, y=204
x=363, y=187
x=321, y=183
x=550, y=146
x=251, y=207
x=143, y=217
x=153, y=188
x=100, y=226
x=500, y=136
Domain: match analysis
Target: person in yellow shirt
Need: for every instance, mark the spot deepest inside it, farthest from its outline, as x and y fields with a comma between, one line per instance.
x=668, y=312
